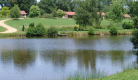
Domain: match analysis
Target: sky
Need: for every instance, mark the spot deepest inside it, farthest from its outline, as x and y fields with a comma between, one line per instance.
x=38, y=0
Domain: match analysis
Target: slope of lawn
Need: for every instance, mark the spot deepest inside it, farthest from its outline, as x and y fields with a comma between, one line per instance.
x=46, y=22
x=2, y=29
x=126, y=75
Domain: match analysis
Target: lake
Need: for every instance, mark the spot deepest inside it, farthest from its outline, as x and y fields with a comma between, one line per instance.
x=55, y=58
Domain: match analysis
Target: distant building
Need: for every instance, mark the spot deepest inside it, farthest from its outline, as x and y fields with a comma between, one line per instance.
x=126, y=15
x=23, y=13
x=102, y=14
x=69, y=14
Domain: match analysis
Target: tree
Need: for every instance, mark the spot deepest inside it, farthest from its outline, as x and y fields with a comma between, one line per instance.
x=60, y=13
x=116, y=10
x=15, y=12
x=82, y=17
x=34, y=11
x=5, y=11
x=48, y=5
x=23, y=4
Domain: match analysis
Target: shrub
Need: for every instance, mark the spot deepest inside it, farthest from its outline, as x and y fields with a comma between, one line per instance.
x=113, y=30
x=34, y=11
x=91, y=31
x=76, y=27
x=52, y=31
x=128, y=25
x=47, y=15
x=60, y=13
x=66, y=29
x=1, y=16
x=39, y=30
x=99, y=27
x=31, y=25
x=23, y=28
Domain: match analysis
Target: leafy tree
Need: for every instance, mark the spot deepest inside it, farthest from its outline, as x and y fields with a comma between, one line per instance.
x=23, y=4
x=82, y=17
x=34, y=11
x=5, y=11
x=15, y=12
x=116, y=10
x=60, y=13
x=48, y=5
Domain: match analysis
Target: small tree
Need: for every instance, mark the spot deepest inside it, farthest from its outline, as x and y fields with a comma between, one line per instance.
x=34, y=11
x=60, y=13
x=15, y=12
x=52, y=31
x=5, y=11
x=23, y=28
x=113, y=30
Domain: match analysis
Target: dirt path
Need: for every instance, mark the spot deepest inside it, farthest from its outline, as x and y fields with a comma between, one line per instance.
x=9, y=28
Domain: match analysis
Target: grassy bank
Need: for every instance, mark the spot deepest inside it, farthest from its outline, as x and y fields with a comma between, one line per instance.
x=126, y=75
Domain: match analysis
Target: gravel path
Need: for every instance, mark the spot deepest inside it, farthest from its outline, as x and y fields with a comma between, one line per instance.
x=9, y=28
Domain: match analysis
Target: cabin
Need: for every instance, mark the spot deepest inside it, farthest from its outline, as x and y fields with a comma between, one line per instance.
x=102, y=14
x=126, y=16
x=23, y=14
x=69, y=14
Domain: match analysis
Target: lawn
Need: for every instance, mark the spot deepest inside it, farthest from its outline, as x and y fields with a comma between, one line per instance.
x=126, y=75
x=2, y=29
x=58, y=23
x=46, y=22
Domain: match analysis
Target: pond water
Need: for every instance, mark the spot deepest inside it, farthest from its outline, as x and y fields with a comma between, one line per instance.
x=55, y=58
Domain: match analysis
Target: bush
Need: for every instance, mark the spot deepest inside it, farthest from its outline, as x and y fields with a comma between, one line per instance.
x=128, y=25
x=34, y=11
x=39, y=30
x=76, y=27
x=66, y=29
x=99, y=27
x=91, y=31
x=31, y=25
x=23, y=28
x=15, y=12
x=47, y=16
x=113, y=30
x=60, y=13
x=52, y=31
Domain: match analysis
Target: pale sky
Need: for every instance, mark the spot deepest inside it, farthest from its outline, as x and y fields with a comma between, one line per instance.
x=38, y=0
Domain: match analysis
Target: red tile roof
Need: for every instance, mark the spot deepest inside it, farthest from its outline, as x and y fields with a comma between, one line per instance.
x=102, y=13
x=126, y=15
x=23, y=12
x=70, y=13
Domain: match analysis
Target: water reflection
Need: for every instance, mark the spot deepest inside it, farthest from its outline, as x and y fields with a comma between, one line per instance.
x=54, y=58
x=20, y=58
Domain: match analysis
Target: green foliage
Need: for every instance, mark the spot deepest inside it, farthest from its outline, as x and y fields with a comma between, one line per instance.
x=82, y=17
x=76, y=27
x=15, y=12
x=47, y=15
x=42, y=12
x=39, y=30
x=60, y=13
x=48, y=5
x=52, y=31
x=34, y=11
x=99, y=27
x=116, y=10
x=31, y=25
x=113, y=30
x=66, y=29
x=91, y=31
x=1, y=16
x=127, y=25
x=5, y=11
x=54, y=13
x=23, y=28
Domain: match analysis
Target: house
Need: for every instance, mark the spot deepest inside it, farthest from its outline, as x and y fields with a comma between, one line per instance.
x=23, y=13
x=69, y=14
x=102, y=14
x=126, y=15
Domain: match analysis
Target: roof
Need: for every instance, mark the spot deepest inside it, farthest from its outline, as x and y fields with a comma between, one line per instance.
x=102, y=13
x=70, y=13
x=126, y=15
x=23, y=12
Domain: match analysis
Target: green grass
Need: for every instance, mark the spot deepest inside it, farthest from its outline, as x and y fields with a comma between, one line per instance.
x=46, y=22
x=2, y=29
x=126, y=75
